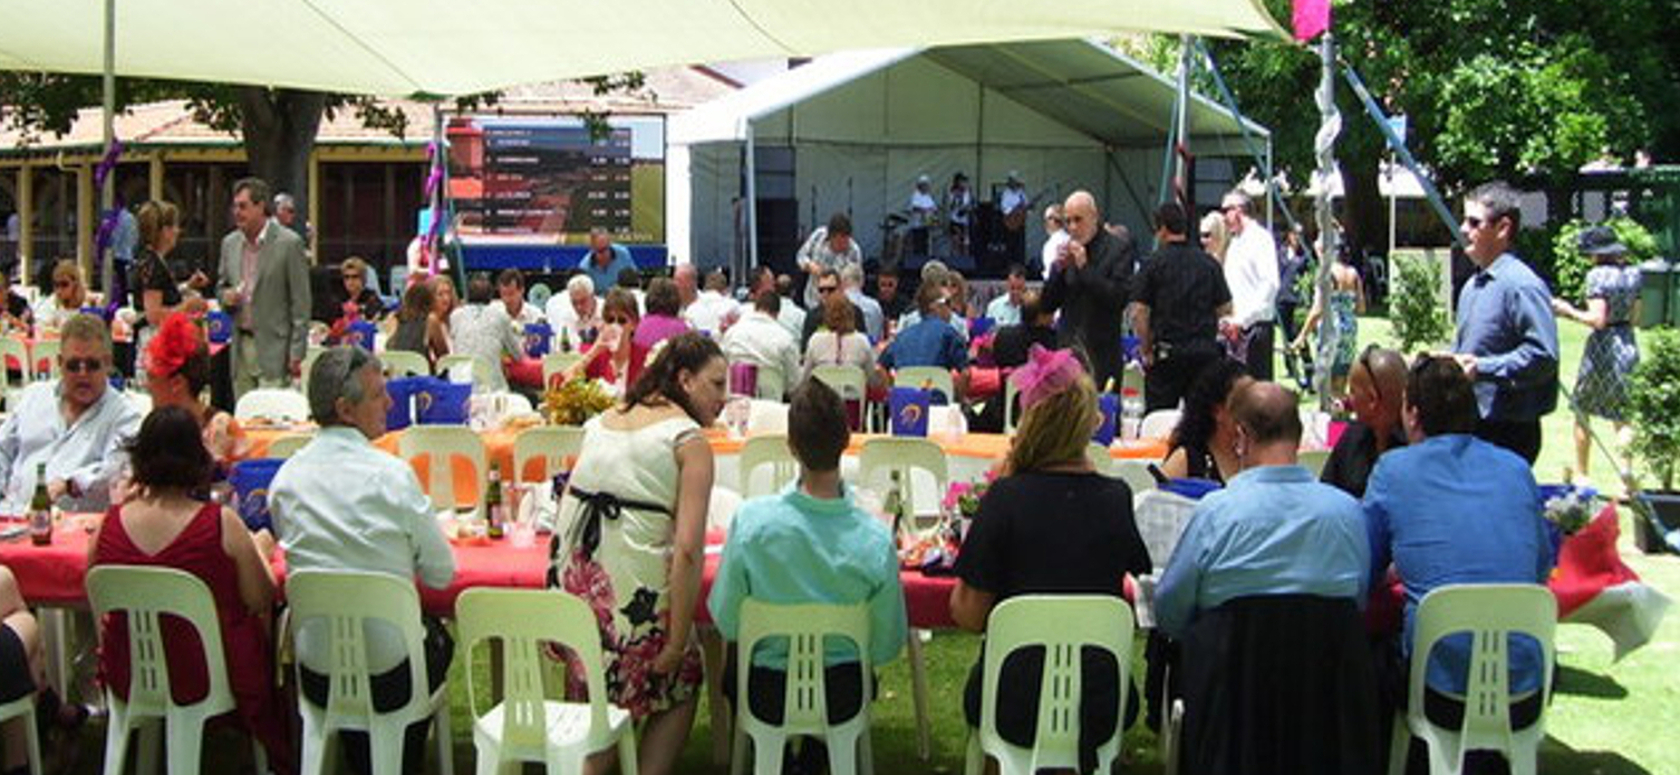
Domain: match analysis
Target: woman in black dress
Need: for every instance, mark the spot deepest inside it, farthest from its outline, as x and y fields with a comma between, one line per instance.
x=157, y=291
x=1200, y=447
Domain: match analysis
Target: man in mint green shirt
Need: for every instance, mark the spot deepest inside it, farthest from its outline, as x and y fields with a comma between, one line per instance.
x=811, y=544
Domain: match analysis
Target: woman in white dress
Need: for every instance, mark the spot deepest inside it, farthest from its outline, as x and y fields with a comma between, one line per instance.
x=630, y=541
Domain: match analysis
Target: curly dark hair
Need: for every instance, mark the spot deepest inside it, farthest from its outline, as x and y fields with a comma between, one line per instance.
x=688, y=352
x=1207, y=392
x=169, y=452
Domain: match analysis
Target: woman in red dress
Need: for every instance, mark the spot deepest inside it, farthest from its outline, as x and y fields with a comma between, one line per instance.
x=162, y=525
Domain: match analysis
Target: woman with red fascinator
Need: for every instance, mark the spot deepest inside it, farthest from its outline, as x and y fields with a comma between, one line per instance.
x=178, y=368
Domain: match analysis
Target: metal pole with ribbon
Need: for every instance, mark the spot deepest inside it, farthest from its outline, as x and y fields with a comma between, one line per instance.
x=1324, y=148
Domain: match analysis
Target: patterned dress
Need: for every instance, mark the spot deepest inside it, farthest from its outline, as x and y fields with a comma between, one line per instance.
x=1611, y=353
x=612, y=547
x=1342, y=315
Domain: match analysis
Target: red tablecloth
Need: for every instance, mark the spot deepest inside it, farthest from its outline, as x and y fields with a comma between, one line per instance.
x=53, y=575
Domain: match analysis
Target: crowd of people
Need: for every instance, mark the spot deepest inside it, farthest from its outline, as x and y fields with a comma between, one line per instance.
x=1442, y=436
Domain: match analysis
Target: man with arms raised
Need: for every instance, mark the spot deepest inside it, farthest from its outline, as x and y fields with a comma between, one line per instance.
x=1088, y=285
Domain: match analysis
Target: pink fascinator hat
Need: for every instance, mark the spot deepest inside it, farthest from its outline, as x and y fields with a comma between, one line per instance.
x=1046, y=373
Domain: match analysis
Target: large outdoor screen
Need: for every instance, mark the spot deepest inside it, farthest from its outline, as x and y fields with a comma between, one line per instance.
x=547, y=178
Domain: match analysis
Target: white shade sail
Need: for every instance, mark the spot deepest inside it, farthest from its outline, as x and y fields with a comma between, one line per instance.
x=454, y=47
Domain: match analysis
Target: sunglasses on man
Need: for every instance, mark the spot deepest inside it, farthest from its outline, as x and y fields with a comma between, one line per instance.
x=83, y=365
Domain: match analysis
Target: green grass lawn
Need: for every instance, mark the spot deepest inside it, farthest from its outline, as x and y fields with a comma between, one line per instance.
x=1606, y=719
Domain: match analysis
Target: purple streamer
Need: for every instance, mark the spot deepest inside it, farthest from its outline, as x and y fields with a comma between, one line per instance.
x=107, y=227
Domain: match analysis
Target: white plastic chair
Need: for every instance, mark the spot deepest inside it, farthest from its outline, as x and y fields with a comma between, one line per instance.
x=1100, y=458
x=557, y=363
x=917, y=376
x=527, y=726
x=1490, y=614
x=805, y=704
x=1064, y=625
x=43, y=363
x=721, y=507
x=1009, y=406
x=767, y=450
x=552, y=443
x=288, y=445
x=11, y=348
x=1158, y=424
x=1314, y=461
x=405, y=363
x=309, y=355
x=852, y=385
x=1135, y=473
x=440, y=445
x=145, y=595
x=771, y=385
x=483, y=372
x=350, y=601
x=272, y=404
x=24, y=707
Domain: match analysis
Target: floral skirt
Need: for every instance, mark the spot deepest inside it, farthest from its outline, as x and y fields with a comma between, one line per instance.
x=634, y=629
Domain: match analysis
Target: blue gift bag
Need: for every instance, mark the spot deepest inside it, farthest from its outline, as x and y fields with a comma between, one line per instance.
x=909, y=407
x=250, y=479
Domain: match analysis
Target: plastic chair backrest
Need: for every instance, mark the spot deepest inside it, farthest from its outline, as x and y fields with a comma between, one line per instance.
x=525, y=621
x=917, y=376
x=903, y=454
x=1314, y=460
x=440, y=445
x=11, y=348
x=1490, y=613
x=348, y=600
x=849, y=381
x=556, y=363
x=405, y=363
x=288, y=445
x=309, y=356
x=768, y=450
x=43, y=363
x=1100, y=458
x=483, y=375
x=1008, y=405
x=145, y=594
x=1064, y=625
x=272, y=403
x=771, y=385
x=805, y=627
x=1158, y=424
x=551, y=443
x=1135, y=473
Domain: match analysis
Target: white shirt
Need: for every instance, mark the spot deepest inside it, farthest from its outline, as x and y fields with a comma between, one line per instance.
x=922, y=208
x=564, y=317
x=87, y=453
x=760, y=340
x=1052, y=249
x=1002, y=312
x=49, y=314
x=792, y=318
x=710, y=311
x=341, y=503
x=1013, y=198
x=528, y=313
x=486, y=332
x=1251, y=271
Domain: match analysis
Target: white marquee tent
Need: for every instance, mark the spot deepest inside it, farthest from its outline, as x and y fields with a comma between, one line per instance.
x=451, y=47
x=859, y=127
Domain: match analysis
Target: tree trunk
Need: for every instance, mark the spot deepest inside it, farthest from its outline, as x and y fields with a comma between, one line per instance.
x=279, y=126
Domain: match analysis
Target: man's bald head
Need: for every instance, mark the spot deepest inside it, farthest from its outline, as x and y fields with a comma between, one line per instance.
x=1376, y=383
x=1268, y=413
x=1083, y=219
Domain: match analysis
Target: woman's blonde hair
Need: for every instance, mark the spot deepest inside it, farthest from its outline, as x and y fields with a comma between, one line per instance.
x=1219, y=238
x=153, y=216
x=1055, y=430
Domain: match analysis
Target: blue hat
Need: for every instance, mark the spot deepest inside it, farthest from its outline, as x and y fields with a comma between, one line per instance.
x=1599, y=241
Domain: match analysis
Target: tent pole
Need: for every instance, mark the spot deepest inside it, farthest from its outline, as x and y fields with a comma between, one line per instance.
x=1230, y=100
x=108, y=87
x=1324, y=147
x=1181, y=121
x=752, y=204
x=1405, y=156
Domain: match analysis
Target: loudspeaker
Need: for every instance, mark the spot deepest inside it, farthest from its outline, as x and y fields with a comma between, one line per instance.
x=778, y=234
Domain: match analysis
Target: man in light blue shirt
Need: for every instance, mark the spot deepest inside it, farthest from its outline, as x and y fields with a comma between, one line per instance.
x=874, y=321
x=340, y=504
x=1507, y=338
x=1005, y=310
x=1273, y=530
x=1453, y=509
x=605, y=260
x=76, y=425
x=811, y=544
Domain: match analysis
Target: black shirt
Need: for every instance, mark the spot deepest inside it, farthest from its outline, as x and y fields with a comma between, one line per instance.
x=151, y=273
x=1053, y=533
x=893, y=308
x=1010, y=346
x=368, y=304
x=1093, y=303
x=1350, y=463
x=1184, y=289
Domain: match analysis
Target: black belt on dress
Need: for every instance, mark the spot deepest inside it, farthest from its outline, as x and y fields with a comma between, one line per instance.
x=586, y=530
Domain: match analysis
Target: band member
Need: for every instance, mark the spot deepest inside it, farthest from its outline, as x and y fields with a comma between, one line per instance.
x=959, y=206
x=924, y=211
x=1013, y=204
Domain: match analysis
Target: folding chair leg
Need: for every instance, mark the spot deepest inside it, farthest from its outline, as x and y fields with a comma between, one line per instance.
x=116, y=739
x=918, y=693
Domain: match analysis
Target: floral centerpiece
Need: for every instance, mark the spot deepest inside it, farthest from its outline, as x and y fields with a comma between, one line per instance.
x=574, y=401
x=935, y=550
x=1568, y=508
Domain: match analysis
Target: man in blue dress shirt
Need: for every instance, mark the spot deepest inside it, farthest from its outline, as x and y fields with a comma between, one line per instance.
x=606, y=259
x=1451, y=508
x=1274, y=530
x=1507, y=337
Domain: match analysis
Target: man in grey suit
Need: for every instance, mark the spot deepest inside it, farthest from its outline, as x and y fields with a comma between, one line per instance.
x=263, y=283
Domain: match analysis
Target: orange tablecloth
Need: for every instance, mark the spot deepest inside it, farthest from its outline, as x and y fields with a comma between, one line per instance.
x=499, y=446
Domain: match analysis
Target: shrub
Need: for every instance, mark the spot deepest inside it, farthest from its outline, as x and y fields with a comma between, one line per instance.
x=1653, y=401
x=1415, y=307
